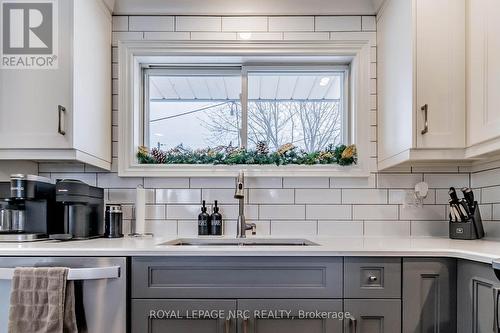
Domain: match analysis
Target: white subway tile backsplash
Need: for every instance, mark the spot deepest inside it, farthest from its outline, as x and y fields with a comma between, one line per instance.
x=306, y=182
x=183, y=212
x=187, y=228
x=127, y=196
x=490, y=194
x=328, y=212
x=122, y=36
x=356, y=182
x=198, y=23
x=294, y=228
x=260, y=36
x=214, y=182
x=364, y=196
x=111, y=180
x=285, y=212
x=496, y=212
x=162, y=182
x=387, y=229
x=213, y=36
x=271, y=196
x=395, y=180
x=223, y=196
x=369, y=23
x=306, y=36
x=120, y=23
x=442, y=180
x=486, y=211
x=338, y=23
x=485, y=178
x=244, y=23
x=160, y=35
x=291, y=23
x=163, y=228
x=375, y=212
x=151, y=23
x=155, y=212
x=178, y=196
x=429, y=228
x=427, y=212
x=318, y=196
x=263, y=182
x=340, y=228
x=371, y=37
x=398, y=197
x=60, y=167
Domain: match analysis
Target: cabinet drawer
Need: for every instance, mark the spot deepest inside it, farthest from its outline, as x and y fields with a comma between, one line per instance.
x=372, y=278
x=236, y=277
x=182, y=316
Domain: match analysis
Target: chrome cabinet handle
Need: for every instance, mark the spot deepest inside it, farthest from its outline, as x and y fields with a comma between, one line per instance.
x=425, y=109
x=227, y=325
x=61, y=126
x=353, y=324
x=245, y=325
x=372, y=278
x=496, y=295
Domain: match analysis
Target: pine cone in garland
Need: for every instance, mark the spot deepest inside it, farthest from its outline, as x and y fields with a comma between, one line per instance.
x=262, y=148
x=158, y=155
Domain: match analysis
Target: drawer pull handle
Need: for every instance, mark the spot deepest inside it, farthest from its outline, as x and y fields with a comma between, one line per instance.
x=353, y=324
x=227, y=325
x=372, y=278
x=425, y=109
x=61, y=123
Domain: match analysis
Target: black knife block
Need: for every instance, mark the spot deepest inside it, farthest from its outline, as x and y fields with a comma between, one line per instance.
x=472, y=228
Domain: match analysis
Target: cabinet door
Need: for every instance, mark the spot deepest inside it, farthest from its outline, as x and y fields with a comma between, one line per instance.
x=373, y=316
x=483, y=70
x=29, y=98
x=289, y=316
x=475, y=297
x=183, y=316
x=440, y=73
x=429, y=295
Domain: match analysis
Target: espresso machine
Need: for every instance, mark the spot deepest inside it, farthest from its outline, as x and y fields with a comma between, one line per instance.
x=81, y=209
x=27, y=209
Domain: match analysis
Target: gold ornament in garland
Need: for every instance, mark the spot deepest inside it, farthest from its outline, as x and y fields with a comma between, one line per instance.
x=349, y=152
x=285, y=148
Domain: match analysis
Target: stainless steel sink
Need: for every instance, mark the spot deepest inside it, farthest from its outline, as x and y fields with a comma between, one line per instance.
x=239, y=242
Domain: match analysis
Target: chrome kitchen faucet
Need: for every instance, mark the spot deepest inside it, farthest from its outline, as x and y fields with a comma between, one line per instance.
x=239, y=194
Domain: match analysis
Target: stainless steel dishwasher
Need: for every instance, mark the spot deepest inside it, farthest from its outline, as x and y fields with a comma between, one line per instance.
x=100, y=289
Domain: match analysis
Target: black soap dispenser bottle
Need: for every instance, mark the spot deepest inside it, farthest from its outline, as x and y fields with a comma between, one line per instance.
x=203, y=221
x=216, y=221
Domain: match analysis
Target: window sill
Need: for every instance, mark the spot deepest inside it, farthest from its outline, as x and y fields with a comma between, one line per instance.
x=182, y=170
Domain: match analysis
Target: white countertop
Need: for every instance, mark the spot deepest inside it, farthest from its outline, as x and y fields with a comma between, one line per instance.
x=477, y=250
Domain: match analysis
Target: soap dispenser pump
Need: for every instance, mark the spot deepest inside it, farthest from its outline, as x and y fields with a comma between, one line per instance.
x=203, y=221
x=216, y=221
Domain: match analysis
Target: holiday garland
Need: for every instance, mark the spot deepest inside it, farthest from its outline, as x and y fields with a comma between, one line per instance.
x=287, y=154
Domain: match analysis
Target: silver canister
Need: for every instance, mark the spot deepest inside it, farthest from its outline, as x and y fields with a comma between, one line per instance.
x=113, y=226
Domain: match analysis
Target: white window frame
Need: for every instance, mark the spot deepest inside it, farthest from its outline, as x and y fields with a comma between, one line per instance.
x=243, y=71
x=133, y=55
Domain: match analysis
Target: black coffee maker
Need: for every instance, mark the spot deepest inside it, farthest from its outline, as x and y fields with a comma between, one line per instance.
x=27, y=209
x=81, y=208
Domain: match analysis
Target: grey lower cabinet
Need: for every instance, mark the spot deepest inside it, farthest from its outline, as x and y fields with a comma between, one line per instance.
x=429, y=295
x=182, y=316
x=300, y=316
x=476, y=298
x=372, y=316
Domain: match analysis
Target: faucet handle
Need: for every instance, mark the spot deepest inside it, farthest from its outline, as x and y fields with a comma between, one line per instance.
x=254, y=229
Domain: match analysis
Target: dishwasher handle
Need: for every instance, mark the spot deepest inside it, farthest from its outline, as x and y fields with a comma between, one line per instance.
x=96, y=273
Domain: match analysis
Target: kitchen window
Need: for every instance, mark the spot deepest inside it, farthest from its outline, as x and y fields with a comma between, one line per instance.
x=286, y=109
x=194, y=108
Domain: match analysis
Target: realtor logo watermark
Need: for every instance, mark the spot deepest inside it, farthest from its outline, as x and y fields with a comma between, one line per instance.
x=29, y=35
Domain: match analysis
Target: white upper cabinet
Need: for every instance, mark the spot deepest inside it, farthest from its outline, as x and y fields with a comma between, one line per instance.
x=421, y=80
x=63, y=113
x=483, y=76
